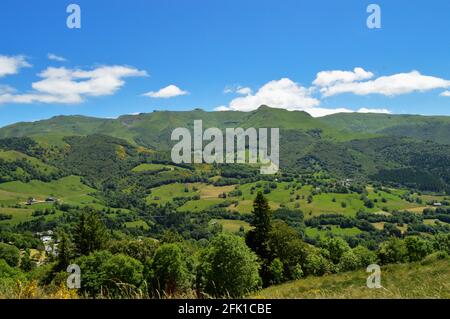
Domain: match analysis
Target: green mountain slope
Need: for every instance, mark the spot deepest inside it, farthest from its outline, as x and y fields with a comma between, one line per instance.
x=428, y=280
x=361, y=146
x=433, y=128
x=153, y=130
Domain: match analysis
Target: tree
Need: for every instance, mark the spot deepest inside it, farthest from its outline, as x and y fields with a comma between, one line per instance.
x=258, y=238
x=138, y=249
x=168, y=270
x=285, y=244
x=417, y=248
x=316, y=264
x=336, y=248
x=64, y=253
x=442, y=242
x=229, y=268
x=10, y=254
x=104, y=273
x=393, y=251
x=93, y=276
x=365, y=256
x=25, y=262
x=276, y=270
x=90, y=233
x=349, y=261
x=123, y=273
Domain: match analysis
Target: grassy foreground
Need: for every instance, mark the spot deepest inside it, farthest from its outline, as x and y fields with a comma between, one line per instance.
x=429, y=279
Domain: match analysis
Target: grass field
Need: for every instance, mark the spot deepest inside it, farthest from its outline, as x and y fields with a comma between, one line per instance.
x=428, y=280
x=68, y=189
x=335, y=230
x=232, y=226
x=11, y=156
x=285, y=194
x=154, y=167
x=137, y=224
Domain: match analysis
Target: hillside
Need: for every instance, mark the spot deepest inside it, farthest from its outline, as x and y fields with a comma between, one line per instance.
x=433, y=128
x=153, y=129
x=417, y=280
x=380, y=147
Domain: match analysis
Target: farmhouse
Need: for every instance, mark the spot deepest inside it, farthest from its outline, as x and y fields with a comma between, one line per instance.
x=31, y=201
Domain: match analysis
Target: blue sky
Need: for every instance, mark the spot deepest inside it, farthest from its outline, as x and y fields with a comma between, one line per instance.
x=233, y=54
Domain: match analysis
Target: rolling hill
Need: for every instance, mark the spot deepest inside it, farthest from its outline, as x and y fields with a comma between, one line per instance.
x=432, y=128
x=403, y=149
x=429, y=279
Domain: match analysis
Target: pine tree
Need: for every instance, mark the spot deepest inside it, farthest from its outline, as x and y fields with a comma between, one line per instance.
x=258, y=238
x=80, y=236
x=64, y=253
x=90, y=233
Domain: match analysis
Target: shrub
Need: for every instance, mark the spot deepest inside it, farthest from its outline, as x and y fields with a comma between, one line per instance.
x=10, y=254
x=393, y=251
x=229, y=267
x=317, y=265
x=168, y=270
x=417, y=248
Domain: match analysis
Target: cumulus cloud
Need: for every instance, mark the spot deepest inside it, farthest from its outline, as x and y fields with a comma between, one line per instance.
x=56, y=58
x=222, y=108
x=397, y=84
x=445, y=93
x=286, y=94
x=12, y=64
x=68, y=86
x=283, y=93
x=167, y=92
x=328, y=78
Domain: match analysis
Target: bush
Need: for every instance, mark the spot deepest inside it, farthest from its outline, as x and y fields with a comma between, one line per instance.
x=317, y=265
x=10, y=254
x=229, y=267
x=349, y=261
x=439, y=255
x=417, y=248
x=276, y=272
x=442, y=242
x=393, y=251
x=336, y=248
x=297, y=272
x=93, y=277
x=366, y=257
x=168, y=270
x=123, y=270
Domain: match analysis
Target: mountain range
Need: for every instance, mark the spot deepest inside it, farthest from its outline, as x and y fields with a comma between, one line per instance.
x=411, y=150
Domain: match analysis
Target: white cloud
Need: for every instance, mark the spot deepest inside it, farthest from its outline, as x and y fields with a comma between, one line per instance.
x=319, y=112
x=55, y=57
x=283, y=93
x=67, y=86
x=222, y=108
x=286, y=94
x=445, y=93
x=244, y=91
x=12, y=64
x=328, y=78
x=366, y=110
x=167, y=92
x=397, y=84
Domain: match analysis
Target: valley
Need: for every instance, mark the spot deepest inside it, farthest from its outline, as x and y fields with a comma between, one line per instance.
x=355, y=186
